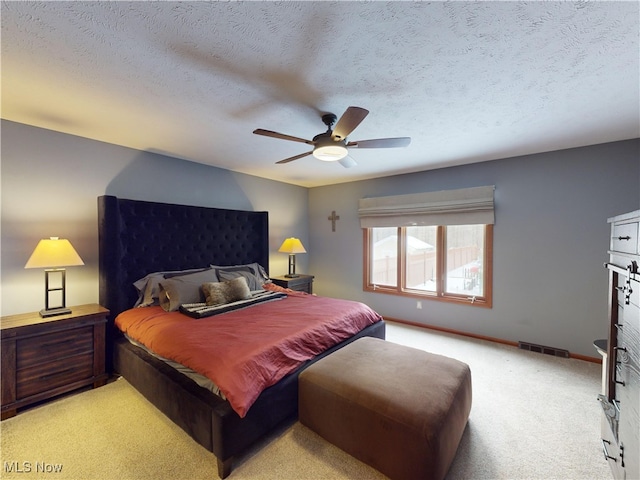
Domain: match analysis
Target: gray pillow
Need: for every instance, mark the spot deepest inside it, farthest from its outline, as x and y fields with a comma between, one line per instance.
x=149, y=286
x=219, y=293
x=178, y=290
x=253, y=272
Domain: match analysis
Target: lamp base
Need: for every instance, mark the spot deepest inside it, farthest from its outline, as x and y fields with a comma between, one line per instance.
x=292, y=275
x=52, y=312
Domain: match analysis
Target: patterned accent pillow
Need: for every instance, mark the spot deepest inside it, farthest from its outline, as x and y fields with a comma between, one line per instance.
x=219, y=293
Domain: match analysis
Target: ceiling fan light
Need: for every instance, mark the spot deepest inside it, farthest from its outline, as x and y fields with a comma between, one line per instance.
x=329, y=150
x=330, y=153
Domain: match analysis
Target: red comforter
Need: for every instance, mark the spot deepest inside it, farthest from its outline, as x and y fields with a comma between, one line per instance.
x=245, y=351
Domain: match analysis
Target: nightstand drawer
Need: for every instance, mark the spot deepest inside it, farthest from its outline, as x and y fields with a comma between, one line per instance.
x=300, y=283
x=41, y=378
x=46, y=349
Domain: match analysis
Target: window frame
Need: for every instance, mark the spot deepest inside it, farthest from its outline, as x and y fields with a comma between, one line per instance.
x=440, y=294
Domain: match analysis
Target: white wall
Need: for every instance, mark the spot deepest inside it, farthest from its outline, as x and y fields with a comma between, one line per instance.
x=50, y=183
x=550, y=243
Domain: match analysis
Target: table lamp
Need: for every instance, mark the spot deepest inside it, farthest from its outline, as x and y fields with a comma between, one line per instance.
x=53, y=254
x=292, y=246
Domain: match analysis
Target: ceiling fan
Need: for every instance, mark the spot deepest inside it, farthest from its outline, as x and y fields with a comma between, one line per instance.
x=332, y=145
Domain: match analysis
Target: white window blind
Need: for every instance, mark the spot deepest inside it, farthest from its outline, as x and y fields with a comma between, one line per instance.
x=466, y=206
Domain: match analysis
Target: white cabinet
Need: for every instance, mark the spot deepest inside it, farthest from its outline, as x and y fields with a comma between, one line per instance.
x=621, y=398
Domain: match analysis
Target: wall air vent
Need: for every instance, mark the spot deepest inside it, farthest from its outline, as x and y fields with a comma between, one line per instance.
x=532, y=347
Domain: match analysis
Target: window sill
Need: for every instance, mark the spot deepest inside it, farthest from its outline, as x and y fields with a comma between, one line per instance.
x=449, y=298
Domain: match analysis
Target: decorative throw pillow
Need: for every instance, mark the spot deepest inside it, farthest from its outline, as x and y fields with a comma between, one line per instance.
x=219, y=293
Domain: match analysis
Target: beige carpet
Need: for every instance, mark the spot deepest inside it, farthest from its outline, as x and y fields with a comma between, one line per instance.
x=533, y=417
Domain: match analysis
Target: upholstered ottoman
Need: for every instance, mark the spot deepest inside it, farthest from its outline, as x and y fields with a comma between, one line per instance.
x=396, y=408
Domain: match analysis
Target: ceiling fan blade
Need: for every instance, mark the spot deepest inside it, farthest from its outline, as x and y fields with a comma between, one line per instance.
x=347, y=162
x=269, y=133
x=381, y=143
x=296, y=157
x=348, y=122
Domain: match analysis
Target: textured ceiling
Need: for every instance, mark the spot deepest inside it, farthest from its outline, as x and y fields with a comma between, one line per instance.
x=468, y=81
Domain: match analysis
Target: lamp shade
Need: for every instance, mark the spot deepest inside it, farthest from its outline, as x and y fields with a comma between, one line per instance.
x=292, y=245
x=52, y=253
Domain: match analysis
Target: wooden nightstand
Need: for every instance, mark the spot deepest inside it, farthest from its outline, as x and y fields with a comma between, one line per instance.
x=301, y=283
x=45, y=357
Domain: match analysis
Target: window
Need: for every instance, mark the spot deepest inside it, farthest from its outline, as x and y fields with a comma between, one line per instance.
x=450, y=263
x=429, y=245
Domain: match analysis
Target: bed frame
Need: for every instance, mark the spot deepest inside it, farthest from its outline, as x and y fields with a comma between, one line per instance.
x=137, y=238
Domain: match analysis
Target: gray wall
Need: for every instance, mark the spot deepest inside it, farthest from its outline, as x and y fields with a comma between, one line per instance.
x=550, y=242
x=550, y=237
x=50, y=182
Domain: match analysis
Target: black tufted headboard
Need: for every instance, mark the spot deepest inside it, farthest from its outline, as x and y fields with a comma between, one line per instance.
x=137, y=238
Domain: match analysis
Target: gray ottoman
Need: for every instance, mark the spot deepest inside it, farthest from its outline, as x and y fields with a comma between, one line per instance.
x=398, y=409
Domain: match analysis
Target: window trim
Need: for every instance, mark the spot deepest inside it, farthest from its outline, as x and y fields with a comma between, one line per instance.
x=485, y=301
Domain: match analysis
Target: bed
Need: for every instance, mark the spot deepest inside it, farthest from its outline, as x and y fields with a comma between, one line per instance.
x=137, y=238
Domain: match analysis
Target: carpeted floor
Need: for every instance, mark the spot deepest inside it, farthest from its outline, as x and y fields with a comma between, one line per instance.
x=533, y=417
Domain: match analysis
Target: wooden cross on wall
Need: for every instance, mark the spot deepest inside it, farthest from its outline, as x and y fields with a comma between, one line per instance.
x=333, y=219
